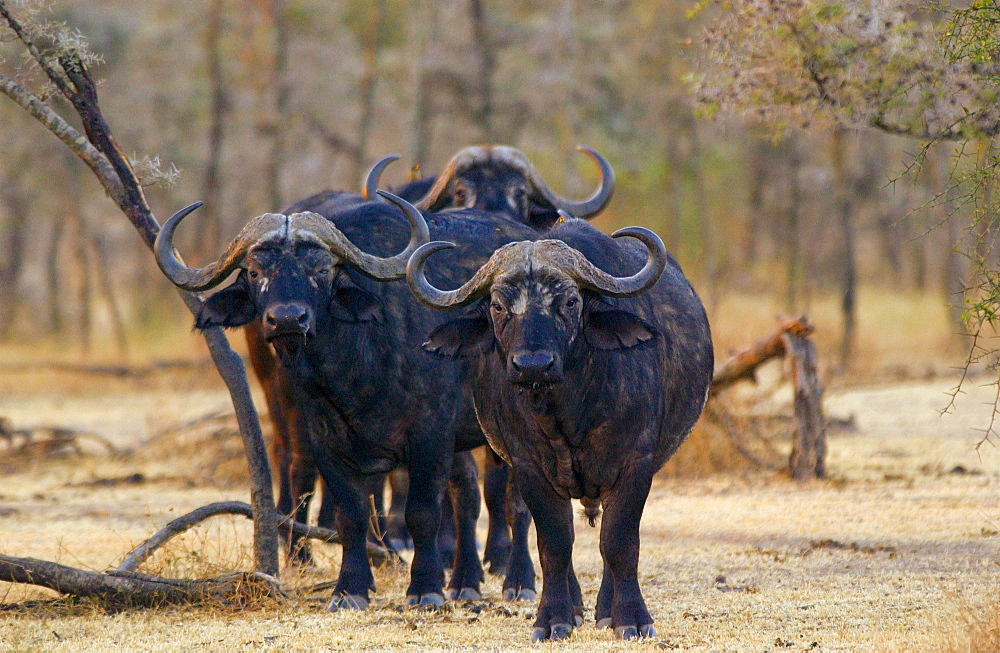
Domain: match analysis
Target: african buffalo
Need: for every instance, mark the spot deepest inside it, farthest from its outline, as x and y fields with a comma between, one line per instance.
x=501, y=179
x=587, y=373
x=349, y=340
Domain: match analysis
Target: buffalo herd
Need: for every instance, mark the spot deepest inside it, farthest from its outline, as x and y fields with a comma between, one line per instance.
x=393, y=333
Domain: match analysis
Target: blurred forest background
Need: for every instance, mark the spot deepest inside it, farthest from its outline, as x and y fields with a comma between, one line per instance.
x=252, y=104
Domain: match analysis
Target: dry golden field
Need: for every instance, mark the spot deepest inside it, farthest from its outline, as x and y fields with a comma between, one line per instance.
x=898, y=550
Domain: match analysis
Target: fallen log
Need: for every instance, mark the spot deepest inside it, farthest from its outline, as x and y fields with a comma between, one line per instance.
x=138, y=590
x=742, y=366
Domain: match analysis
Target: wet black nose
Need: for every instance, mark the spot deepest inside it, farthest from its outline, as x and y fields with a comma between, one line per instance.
x=534, y=367
x=287, y=319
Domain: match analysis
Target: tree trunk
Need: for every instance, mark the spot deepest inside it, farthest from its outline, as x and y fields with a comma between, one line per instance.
x=710, y=269
x=52, y=274
x=372, y=40
x=809, y=440
x=423, y=38
x=207, y=244
x=15, y=201
x=845, y=218
x=98, y=264
x=793, y=257
x=282, y=94
x=487, y=70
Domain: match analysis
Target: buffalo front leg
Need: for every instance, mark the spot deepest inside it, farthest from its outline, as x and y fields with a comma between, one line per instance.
x=355, y=580
x=553, y=517
x=519, y=584
x=428, y=478
x=619, y=602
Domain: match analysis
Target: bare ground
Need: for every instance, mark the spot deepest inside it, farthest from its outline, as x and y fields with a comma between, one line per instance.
x=888, y=554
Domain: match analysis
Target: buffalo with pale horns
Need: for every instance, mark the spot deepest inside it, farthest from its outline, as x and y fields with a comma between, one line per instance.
x=327, y=294
x=590, y=361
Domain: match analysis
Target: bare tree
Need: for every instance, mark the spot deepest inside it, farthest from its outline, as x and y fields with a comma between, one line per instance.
x=66, y=67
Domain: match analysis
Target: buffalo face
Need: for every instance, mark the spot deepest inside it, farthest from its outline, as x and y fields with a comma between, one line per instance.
x=290, y=287
x=537, y=299
x=292, y=273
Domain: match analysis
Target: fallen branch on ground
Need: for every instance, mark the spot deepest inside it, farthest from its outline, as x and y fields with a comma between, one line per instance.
x=139, y=590
x=139, y=554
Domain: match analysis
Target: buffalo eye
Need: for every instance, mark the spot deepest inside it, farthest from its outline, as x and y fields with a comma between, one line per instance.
x=253, y=274
x=497, y=307
x=572, y=302
x=323, y=272
x=461, y=195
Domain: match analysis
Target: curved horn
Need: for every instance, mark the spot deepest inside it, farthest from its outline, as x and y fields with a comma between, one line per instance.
x=596, y=279
x=591, y=206
x=196, y=279
x=370, y=183
x=430, y=296
x=376, y=267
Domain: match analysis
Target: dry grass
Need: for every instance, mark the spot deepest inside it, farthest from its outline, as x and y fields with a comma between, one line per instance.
x=887, y=556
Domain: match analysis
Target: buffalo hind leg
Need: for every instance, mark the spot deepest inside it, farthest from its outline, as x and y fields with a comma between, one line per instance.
x=463, y=491
x=619, y=602
x=498, y=543
x=519, y=583
x=553, y=515
x=397, y=536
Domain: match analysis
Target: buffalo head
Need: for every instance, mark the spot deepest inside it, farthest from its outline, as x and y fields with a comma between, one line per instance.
x=291, y=273
x=501, y=179
x=538, y=298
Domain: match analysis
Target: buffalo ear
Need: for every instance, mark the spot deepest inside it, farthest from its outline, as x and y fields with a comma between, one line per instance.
x=462, y=338
x=353, y=304
x=614, y=329
x=230, y=307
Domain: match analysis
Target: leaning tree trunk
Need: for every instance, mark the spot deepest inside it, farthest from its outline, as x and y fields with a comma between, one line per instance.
x=97, y=148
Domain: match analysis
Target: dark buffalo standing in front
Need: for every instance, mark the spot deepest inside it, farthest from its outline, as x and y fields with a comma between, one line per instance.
x=588, y=373
x=370, y=399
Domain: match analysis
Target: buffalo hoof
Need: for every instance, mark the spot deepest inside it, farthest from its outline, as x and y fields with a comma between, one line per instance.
x=631, y=632
x=465, y=594
x=347, y=602
x=510, y=594
x=604, y=623
x=578, y=619
x=431, y=601
x=627, y=632
x=557, y=632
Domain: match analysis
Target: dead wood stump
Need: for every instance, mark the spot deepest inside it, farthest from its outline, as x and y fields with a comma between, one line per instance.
x=791, y=340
